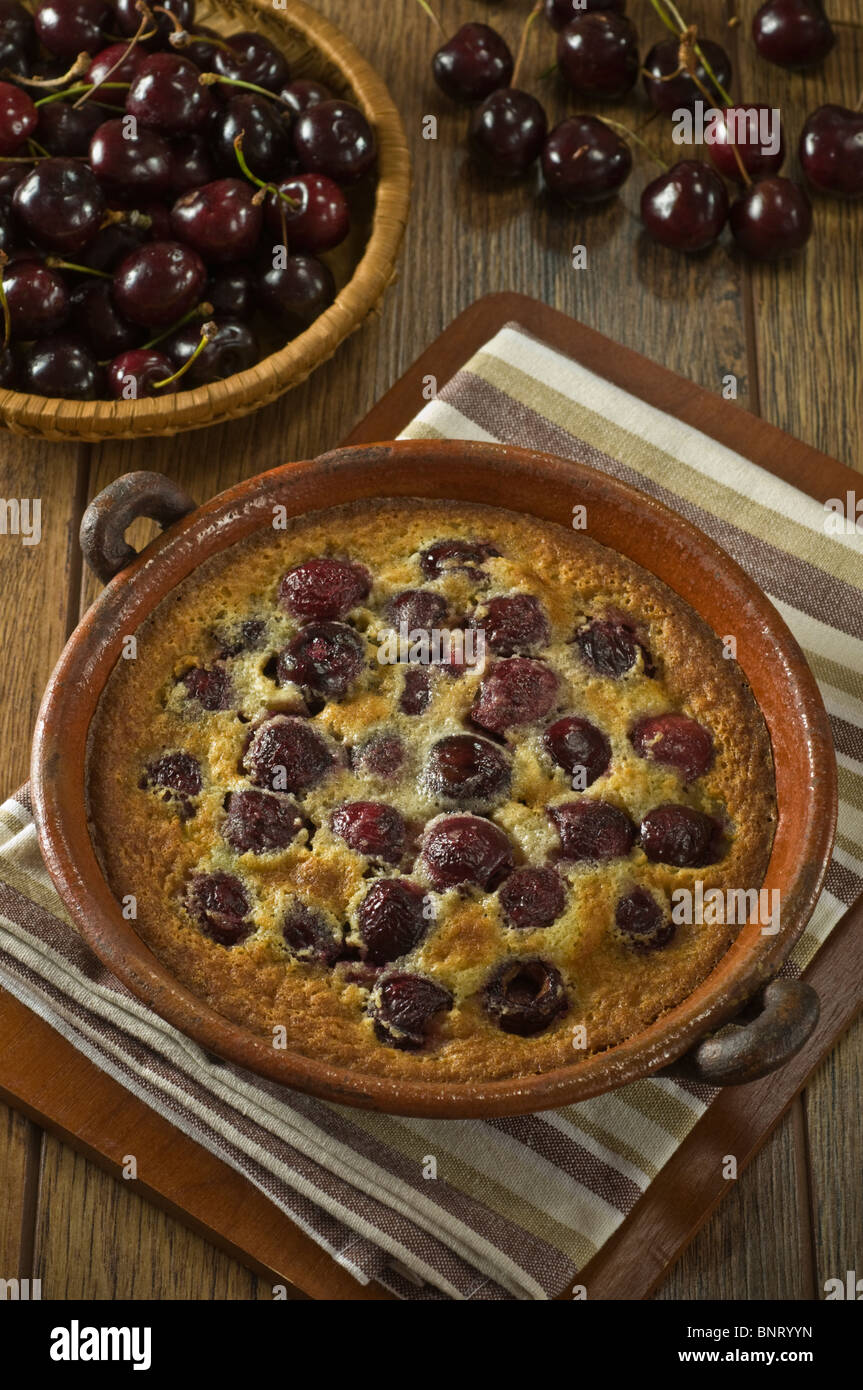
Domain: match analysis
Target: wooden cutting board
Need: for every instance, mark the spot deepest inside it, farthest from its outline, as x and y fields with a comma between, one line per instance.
x=54, y=1085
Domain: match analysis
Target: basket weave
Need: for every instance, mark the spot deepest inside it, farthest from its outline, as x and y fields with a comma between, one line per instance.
x=314, y=47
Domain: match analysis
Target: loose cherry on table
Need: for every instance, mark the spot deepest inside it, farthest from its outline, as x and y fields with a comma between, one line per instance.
x=506, y=133
x=793, y=33
x=686, y=207
x=771, y=219
x=756, y=163
x=472, y=64
x=597, y=55
x=831, y=151
x=670, y=88
x=584, y=160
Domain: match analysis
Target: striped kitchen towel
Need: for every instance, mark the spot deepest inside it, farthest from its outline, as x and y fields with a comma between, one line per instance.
x=517, y=1206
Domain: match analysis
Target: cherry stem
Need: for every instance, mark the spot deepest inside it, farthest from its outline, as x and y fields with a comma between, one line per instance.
x=207, y=79
x=119, y=63
x=57, y=263
x=632, y=135
x=39, y=150
x=424, y=5
x=683, y=31
x=522, y=45
x=200, y=311
x=81, y=87
x=80, y=65
x=263, y=186
x=208, y=331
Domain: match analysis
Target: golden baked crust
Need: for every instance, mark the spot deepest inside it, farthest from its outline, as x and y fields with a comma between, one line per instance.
x=150, y=844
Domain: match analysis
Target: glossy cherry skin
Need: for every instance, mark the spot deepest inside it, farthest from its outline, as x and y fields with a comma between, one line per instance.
x=231, y=291
x=334, y=138
x=112, y=244
x=17, y=28
x=304, y=92
x=60, y=367
x=96, y=319
x=793, y=33
x=831, y=151
x=191, y=163
x=253, y=59
x=472, y=64
x=18, y=118
x=584, y=160
x=559, y=13
x=130, y=166
x=128, y=18
x=597, y=55
x=104, y=68
x=686, y=208
x=297, y=292
x=37, y=298
x=681, y=91
x=66, y=131
x=506, y=133
x=771, y=219
x=265, y=132
x=319, y=221
x=167, y=96
x=231, y=349
x=60, y=205
x=70, y=27
x=221, y=220
x=159, y=283
x=748, y=144
x=134, y=374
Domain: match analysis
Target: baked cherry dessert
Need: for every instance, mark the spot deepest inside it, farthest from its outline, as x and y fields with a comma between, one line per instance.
x=417, y=871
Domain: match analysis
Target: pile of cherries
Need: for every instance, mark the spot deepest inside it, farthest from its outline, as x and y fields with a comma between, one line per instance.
x=585, y=159
x=166, y=194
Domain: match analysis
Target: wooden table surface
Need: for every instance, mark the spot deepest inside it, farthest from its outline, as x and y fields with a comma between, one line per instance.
x=789, y=334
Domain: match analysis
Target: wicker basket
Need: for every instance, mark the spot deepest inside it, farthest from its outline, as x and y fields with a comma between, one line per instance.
x=364, y=266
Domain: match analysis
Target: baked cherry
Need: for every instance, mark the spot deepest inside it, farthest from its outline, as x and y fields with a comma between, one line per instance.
x=239, y=638
x=231, y=291
x=37, y=299
x=561, y=12
x=392, y=919
x=382, y=756
x=513, y=624
x=466, y=849
x=793, y=33
x=60, y=205
x=324, y=658
x=579, y=747
x=18, y=118
x=670, y=88
x=135, y=374
x=220, y=905
x=592, y=830
x=831, y=151
x=506, y=133
x=252, y=58
x=641, y=920
x=466, y=769
x=210, y=688
x=679, y=835
x=448, y=556
x=518, y=690
x=302, y=93
x=532, y=898
x=597, y=54
x=130, y=165
x=416, y=692
x=686, y=207
x=472, y=64
x=309, y=936
x=70, y=27
x=230, y=348
x=287, y=754
x=371, y=828
x=157, y=284
x=221, y=220
x=191, y=163
x=175, y=772
x=772, y=219
x=61, y=366
x=260, y=821
x=266, y=136
x=676, y=741
x=316, y=218
x=334, y=138
x=66, y=130
x=524, y=996
x=324, y=588
x=416, y=610
x=166, y=95
x=295, y=291
x=403, y=1007
x=611, y=648
x=584, y=160
x=97, y=320
x=739, y=130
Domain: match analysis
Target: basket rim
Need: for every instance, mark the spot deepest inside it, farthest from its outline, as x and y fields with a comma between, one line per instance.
x=58, y=419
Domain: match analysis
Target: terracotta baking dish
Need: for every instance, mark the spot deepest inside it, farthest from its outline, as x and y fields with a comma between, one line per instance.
x=544, y=487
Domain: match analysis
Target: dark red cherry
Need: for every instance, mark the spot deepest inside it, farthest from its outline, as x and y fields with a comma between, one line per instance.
x=584, y=160
x=679, y=835
x=128, y=18
x=324, y=588
x=591, y=829
x=97, y=320
x=516, y=691
x=231, y=291
x=158, y=283
x=524, y=996
x=112, y=244
x=130, y=165
x=416, y=610
x=611, y=648
x=9, y=233
x=191, y=163
x=175, y=772
x=793, y=33
x=70, y=27
x=319, y=218
x=416, y=691
x=472, y=64
x=252, y=59
x=676, y=741
x=641, y=920
x=37, y=298
x=18, y=118
x=466, y=849
x=202, y=50
x=392, y=919
x=506, y=133
x=167, y=96
x=334, y=138
x=532, y=898
x=62, y=366
x=116, y=63
x=302, y=93
x=561, y=12
x=136, y=373
x=371, y=828
x=597, y=55
x=831, y=151
x=739, y=129
x=7, y=367
x=771, y=219
x=381, y=756
x=239, y=638
x=17, y=28
x=579, y=747
x=287, y=754
x=65, y=130
x=673, y=93
x=324, y=658
x=60, y=205
x=220, y=905
x=445, y=557
x=11, y=175
x=403, y=1007
x=265, y=132
x=685, y=208
x=231, y=348
x=260, y=821
x=513, y=624
x=221, y=220
x=309, y=936
x=297, y=292
x=468, y=770
x=210, y=688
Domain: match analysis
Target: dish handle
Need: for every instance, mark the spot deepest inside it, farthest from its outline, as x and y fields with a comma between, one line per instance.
x=112, y=511
x=765, y=1035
